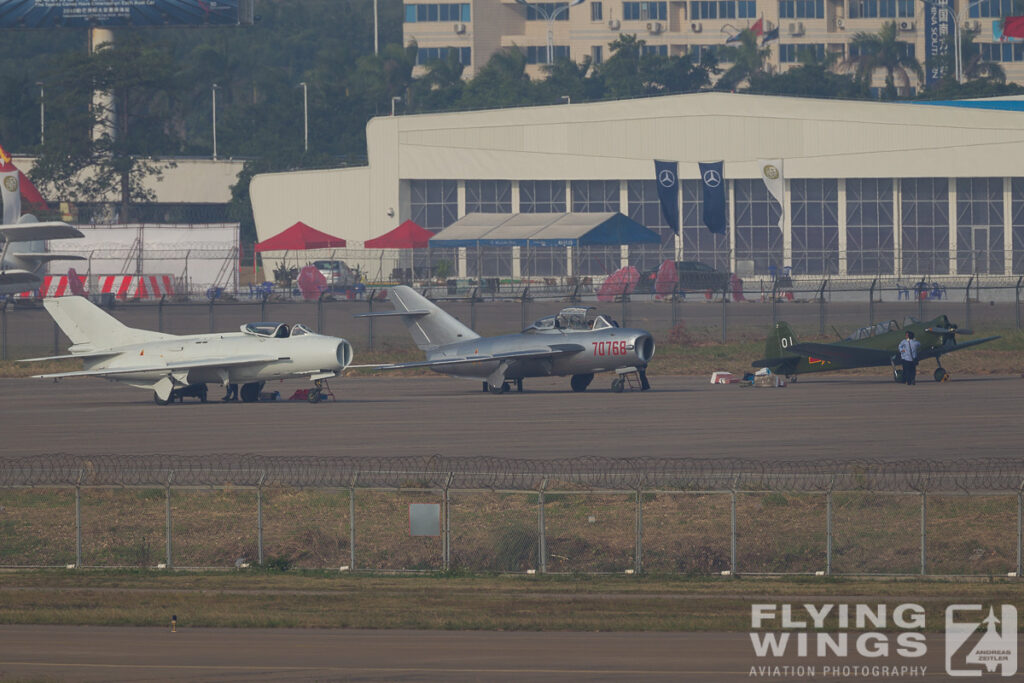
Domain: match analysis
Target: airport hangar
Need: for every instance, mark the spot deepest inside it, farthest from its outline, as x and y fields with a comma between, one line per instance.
x=872, y=189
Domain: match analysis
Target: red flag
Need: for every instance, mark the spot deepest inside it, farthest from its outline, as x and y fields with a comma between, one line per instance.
x=1013, y=27
x=758, y=28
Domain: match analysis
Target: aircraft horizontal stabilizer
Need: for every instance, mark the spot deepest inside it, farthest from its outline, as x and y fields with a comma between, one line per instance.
x=19, y=277
x=33, y=232
x=549, y=352
x=45, y=256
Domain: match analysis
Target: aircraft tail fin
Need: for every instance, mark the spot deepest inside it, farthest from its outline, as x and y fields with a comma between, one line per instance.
x=89, y=327
x=429, y=326
x=777, y=347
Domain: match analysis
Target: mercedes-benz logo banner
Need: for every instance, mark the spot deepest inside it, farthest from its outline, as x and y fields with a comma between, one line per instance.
x=667, y=176
x=714, y=196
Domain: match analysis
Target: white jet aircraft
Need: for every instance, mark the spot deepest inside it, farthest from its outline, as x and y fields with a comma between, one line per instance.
x=24, y=252
x=173, y=366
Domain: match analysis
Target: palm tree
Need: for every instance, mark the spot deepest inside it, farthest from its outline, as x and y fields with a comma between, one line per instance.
x=871, y=52
x=747, y=60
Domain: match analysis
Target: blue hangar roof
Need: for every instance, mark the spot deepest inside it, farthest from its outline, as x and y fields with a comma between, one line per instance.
x=544, y=230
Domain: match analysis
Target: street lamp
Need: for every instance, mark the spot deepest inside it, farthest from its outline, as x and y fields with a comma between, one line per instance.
x=305, y=116
x=551, y=21
x=214, y=88
x=394, y=100
x=42, y=114
x=375, y=32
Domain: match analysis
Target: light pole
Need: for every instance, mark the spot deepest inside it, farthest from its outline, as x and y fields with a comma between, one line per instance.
x=394, y=100
x=551, y=22
x=305, y=116
x=375, y=32
x=42, y=114
x=214, y=90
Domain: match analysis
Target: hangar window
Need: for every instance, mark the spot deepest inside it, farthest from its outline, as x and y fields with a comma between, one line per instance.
x=595, y=196
x=434, y=203
x=488, y=196
x=541, y=196
x=814, y=205
x=869, y=226
x=924, y=209
x=1017, y=223
x=979, y=225
x=758, y=237
x=699, y=243
x=645, y=207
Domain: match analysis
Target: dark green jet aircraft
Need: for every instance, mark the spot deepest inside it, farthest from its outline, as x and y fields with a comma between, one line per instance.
x=872, y=346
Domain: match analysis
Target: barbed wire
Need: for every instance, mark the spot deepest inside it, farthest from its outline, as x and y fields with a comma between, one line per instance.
x=972, y=475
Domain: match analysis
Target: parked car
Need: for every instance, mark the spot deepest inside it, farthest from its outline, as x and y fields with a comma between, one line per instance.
x=339, y=276
x=694, y=276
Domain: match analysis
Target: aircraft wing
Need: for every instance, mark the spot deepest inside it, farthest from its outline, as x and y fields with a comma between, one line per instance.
x=33, y=232
x=19, y=277
x=548, y=352
x=845, y=353
x=961, y=345
x=169, y=367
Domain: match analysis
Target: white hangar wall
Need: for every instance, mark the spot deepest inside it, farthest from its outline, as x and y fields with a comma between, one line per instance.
x=822, y=142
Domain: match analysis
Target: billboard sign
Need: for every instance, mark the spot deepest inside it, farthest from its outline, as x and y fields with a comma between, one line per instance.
x=938, y=24
x=115, y=13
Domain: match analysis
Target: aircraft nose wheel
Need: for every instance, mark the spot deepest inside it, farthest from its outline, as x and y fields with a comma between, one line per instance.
x=618, y=385
x=941, y=375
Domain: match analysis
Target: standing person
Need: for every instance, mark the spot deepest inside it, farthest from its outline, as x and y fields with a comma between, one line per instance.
x=909, y=349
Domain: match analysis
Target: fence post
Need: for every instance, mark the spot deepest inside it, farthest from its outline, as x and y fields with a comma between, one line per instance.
x=3, y=324
x=675, y=304
x=523, y=307
x=352, y=523
x=828, y=529
x=821, y=308
x=725, y=317
x=320, y=313
x=212, y=323
x=472, y=307
x=446, y=541
x=638, y=564
x=625, y=309
x=1015, y=308
x=541, y=544
x=775, y=298
x=170, y=560
x=732, y=524
x=259, y=519
x=924, y=532
x=78, y=521
x=369, y=309
x=56, y=340
x=967, y=302
x=160, y=313
x=1020, y=527
x=263, y=305
x=871, y=301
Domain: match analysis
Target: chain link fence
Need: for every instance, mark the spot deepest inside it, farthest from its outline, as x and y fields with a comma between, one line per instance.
x=656, y=515
x=822, y=309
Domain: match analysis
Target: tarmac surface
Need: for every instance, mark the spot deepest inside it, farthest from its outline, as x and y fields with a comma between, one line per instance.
x=149, y=654
x=822, y=416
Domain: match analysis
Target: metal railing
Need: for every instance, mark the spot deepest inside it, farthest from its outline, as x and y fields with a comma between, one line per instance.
x=589, y=515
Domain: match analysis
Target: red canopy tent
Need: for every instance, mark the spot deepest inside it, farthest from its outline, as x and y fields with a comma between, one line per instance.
x=300, y=236
x=408, y=235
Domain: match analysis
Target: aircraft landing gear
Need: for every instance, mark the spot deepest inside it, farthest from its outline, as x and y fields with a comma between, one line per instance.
x=161, y=401
x=618, y=385
x=519, y=386
x=500, y=389
x=581, y=382
x=897, y=375
x=250, y=392
x=941, y=375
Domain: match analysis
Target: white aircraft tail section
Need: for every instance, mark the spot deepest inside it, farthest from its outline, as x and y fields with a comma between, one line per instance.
x=429, y=326
x=89, y=327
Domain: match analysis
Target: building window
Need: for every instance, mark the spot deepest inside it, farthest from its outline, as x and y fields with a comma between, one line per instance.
x=434, y=204
x=596, y=12
x=658, y=50
x=887, y=9
x=643, y=11
x=426, y=55
x=437, y=12
x=540, y=11
x=597, y=54
x=538, y=54
x=758, y=237
x=1001, y=52
x=802, y=9
x=815, y=220
x=792, y=52
x=699, y=243
x=979, y=226
x=488, y=196
x=994, y=8
x=595, y=196
x=924, y=208
x=541, y=196
x=701, y=53
x=869, y=226
x=1017, y=223
x=723, y=9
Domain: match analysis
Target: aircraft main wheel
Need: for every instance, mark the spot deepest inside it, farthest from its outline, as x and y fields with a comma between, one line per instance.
x=314, y=395
x=519, y=385
x=500, y=389
x=941, y=375
x=618, y=385
x=160, y=401
x=250, y=392
x=581, y=382
x=202, y=393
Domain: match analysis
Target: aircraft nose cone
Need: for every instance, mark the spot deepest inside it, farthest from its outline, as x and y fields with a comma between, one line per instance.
x=344, y=354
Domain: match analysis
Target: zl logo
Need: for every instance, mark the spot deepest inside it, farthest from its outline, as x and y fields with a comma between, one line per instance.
x=986, y=642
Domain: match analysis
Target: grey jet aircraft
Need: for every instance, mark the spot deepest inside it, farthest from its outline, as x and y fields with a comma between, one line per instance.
x=174, y=366
x=24, y=252
x=574, y=342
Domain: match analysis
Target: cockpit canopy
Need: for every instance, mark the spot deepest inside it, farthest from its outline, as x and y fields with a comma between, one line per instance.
x=573, y=319
x=278, y=330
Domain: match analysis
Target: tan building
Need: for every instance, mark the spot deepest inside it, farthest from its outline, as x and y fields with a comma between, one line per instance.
x=479, y=28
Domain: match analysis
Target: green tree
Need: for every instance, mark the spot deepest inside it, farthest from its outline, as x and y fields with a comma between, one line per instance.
x=813, y=77
x=873, y=52
x=440, y=88
x=747, y=61
x=502, y=82
x=621, y=71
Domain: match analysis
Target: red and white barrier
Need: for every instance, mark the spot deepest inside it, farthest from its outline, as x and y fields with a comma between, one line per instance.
x=121, y=286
